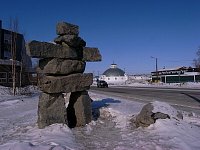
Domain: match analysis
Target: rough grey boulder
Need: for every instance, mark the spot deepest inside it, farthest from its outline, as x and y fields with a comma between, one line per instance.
x=64, y=28
x=150, y=113
x=144, y=118
x=79, y=110
x=60, y=66
x=70, y=40
x=66, y=84
x=91, y=54
x=49, y=50
x=51, y=109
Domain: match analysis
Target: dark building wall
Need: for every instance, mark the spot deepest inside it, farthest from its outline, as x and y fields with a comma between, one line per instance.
x=6, y=70
x=0, y=36
x=20, y=38
x=181, y=79
x=6, y=76
x=4, y=45
x=1, y=43
x=177, y=79
x=197, y=77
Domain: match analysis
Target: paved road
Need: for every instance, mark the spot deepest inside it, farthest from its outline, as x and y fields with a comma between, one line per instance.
x=184, y=99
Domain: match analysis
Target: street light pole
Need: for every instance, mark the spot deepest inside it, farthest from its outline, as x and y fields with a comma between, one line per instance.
x=156, y=66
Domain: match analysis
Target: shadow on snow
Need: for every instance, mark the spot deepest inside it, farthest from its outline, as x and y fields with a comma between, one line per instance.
x=97, y=105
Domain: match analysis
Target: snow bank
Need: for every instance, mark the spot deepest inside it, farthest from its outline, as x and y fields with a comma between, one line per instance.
x=5, y=90
x=18, y=128
x=179, y=134
x=164, y=108
x=161, y=85
x=57, y=136
x=166, y=85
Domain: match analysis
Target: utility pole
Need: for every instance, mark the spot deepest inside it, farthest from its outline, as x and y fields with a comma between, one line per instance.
x=156, y=67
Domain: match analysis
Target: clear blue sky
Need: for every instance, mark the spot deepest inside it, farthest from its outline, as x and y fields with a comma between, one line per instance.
x=127, y=32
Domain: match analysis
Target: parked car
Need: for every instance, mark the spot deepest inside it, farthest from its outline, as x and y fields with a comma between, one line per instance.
x=102, y=84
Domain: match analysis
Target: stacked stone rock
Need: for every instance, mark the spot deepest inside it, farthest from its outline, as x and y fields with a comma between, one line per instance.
x=61, y=71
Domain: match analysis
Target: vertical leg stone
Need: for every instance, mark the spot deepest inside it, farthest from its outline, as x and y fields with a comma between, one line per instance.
x=79, y=110
x=51, y=109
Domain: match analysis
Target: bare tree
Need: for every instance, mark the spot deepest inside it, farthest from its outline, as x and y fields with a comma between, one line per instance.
x=14, y=29
x=197, y=60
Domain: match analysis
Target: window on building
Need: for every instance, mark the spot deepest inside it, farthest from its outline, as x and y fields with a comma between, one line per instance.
x=10, y=79
x=7, y=51
x=7, y=38
x=3, y=77
x=7, y=54
x=34, y=75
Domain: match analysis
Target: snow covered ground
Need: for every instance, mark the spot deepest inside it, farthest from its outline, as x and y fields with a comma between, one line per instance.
x=112, y=127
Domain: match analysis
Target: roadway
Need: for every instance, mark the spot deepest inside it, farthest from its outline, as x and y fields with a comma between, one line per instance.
x=182, y=99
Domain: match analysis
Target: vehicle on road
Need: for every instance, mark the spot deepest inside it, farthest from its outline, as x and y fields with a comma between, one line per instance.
x=102, y=84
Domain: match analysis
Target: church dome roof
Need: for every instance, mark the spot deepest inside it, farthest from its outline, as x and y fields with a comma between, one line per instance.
x=113, y=71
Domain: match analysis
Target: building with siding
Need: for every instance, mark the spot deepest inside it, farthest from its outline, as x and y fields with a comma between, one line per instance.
x=10, y=40
x=177, y=75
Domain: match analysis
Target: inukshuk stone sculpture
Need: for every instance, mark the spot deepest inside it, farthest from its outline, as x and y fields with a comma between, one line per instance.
x=61, y=71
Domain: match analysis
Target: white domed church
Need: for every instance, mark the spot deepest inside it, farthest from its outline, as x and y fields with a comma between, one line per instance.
x=114, y=75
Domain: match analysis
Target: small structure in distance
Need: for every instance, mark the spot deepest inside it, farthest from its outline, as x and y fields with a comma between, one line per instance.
x=114, y=75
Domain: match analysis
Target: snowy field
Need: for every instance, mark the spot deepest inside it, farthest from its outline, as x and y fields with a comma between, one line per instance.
x=112, y=127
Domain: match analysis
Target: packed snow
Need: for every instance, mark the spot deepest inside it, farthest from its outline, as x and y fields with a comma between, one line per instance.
x=112, y=127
